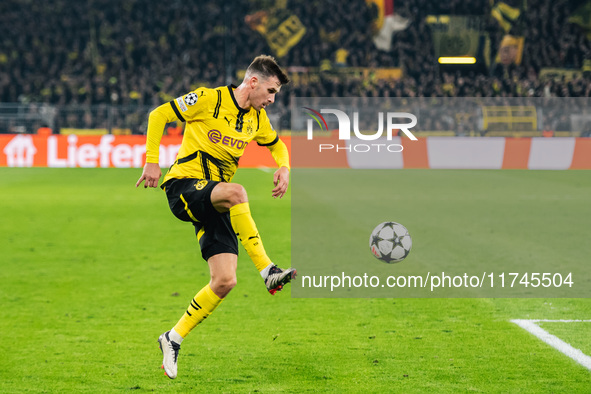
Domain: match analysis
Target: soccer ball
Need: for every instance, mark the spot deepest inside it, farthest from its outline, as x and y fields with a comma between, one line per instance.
x=390, y=242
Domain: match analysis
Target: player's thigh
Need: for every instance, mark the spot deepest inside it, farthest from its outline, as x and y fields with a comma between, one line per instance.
x=217, y=236
x=190, y=199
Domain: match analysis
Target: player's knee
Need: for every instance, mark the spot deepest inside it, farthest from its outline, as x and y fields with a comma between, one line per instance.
x=237, y=195
x=222, y=285
x=226, y=195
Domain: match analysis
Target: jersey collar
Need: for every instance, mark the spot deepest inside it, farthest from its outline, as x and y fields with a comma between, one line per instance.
x=231, y=90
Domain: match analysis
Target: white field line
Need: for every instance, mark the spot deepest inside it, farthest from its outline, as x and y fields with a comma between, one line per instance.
x=552, y=340
x=265, y=169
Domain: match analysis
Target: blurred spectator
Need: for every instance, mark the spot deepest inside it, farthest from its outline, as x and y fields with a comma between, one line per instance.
x=147, y=52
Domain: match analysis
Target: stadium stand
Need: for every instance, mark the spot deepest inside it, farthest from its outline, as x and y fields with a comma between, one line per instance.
x=143, y=53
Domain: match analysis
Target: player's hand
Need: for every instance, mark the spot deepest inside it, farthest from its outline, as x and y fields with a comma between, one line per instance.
x=281, y=182
x=151, y=175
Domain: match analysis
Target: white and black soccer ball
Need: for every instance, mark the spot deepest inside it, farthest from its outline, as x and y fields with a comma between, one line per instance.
x=390, y=242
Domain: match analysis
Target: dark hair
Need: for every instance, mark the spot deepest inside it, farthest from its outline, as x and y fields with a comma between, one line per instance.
x=266, y=66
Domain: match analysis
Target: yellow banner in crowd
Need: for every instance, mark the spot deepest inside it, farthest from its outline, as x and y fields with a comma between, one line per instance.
x=281, y=28
x=582, y=17
x=510, y=50
x=506, y=14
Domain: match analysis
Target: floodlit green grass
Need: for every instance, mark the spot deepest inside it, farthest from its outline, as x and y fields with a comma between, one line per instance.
x=472, y=222
x=93, y=270
x=575, y=333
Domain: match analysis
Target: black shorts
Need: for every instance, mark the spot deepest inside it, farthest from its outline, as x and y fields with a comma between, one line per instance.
x=190, y=201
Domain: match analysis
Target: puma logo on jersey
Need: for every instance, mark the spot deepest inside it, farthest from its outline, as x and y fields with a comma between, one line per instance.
x=227, y=120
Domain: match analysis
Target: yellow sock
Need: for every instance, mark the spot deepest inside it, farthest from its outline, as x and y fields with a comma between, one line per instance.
x=248, y=234
x=201, y=306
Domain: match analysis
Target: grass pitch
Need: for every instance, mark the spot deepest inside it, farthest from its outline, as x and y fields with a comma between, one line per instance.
x=93, y=270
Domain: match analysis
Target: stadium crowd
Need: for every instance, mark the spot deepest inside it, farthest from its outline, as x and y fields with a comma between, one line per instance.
x=136, y=52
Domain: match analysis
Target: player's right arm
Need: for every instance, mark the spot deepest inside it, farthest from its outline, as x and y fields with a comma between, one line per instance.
x=191, y=106
x=156, y=122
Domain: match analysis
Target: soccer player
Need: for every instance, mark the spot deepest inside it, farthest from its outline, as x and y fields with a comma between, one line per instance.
x=220, y=123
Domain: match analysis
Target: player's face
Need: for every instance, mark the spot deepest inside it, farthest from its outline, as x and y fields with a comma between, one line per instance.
x=264, y=92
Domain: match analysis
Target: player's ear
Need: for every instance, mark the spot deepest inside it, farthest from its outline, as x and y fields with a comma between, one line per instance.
x=254, y=81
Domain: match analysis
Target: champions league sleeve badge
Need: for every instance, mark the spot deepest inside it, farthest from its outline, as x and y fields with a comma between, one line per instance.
x=191, y=99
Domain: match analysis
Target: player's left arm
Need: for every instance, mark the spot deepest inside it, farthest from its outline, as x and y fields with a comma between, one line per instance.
x=281, y=176
x=267, y=136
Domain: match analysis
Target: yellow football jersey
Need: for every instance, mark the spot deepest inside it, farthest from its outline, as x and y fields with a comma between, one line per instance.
x=216, y=133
